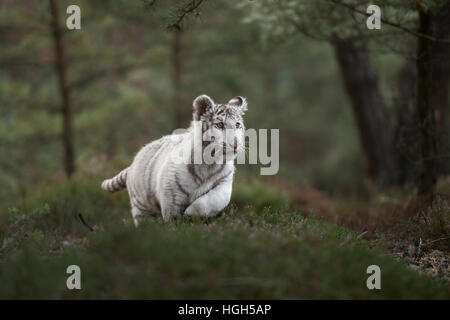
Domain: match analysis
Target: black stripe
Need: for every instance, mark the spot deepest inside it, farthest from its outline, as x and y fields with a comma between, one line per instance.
x=173, y=198
x=136, y=198
x=114, y=183
x=138, y=205
x=191, y=169
x=182, y=204
x=123, y=178
x=177, y=181
x=157, y=151
x=132, y=190
x=122, y=184
x=216, y=183
x=217, y=171
x=148, y=181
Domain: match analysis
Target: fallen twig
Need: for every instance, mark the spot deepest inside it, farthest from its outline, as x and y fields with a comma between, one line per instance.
x=440, y=239
x=85, y=223
x=361, y=234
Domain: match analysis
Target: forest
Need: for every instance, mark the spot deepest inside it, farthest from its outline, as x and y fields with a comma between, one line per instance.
x=364, y=147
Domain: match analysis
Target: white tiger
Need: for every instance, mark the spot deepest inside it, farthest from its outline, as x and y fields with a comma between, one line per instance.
x=158, y=183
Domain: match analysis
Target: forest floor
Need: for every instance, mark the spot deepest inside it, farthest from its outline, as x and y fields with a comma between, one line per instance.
x=433, y=260
x=263, y=246
x=407, y=227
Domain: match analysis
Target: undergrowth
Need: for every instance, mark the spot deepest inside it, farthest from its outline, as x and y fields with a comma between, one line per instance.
x=260, y=247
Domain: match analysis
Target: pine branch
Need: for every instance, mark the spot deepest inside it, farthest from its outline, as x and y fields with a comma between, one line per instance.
x=182, y=12
x=390, y=23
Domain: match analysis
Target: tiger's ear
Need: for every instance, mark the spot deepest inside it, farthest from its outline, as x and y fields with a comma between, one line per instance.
x=238, y=102
x=202, y=104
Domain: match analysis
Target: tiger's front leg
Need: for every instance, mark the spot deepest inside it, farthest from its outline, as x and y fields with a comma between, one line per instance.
x=211, y=203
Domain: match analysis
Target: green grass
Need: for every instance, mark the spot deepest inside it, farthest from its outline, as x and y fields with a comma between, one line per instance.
x=262, y=250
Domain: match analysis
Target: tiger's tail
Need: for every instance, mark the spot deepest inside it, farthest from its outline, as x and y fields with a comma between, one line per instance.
x=117, y=183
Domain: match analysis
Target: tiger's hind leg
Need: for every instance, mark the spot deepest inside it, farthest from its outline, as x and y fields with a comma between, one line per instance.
x=170, y=210
x=137, y=214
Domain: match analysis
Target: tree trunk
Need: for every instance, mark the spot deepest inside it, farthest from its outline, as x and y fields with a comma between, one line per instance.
x=425, y=111
x=440, y=61
x=407, y=134
x=182, y=110
x=361, y=84
x=66, y=107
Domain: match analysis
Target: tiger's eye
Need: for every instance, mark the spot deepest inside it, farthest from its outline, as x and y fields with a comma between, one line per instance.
x=238, y=125
x=219, y=125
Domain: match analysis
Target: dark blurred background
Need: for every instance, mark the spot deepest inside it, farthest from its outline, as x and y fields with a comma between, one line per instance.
x=360, y=111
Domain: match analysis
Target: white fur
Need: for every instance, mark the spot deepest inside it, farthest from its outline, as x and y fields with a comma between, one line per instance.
x=155, y=178
x=159, y=184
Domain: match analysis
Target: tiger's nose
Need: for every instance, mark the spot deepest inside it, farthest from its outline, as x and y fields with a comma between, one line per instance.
x=235, y=145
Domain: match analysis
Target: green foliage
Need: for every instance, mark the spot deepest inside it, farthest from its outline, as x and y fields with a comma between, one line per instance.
x=245, y=253
x=121, y=69
x=259, y=195
x=18, y=217
x=432, y=223
x=330, y=20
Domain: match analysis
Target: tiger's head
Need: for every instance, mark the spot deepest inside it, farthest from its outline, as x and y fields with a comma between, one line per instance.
x=222, y=126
